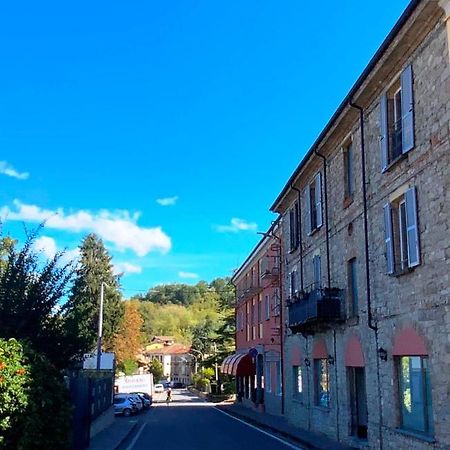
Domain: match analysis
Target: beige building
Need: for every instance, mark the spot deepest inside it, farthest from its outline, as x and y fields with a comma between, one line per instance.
x=365, y=220
x=176, y=360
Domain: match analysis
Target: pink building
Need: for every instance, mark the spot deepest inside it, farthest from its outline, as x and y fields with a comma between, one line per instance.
x=257, y=361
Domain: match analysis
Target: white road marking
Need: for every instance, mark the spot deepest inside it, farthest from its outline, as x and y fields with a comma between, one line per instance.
x=136, y=437
x=288, y=444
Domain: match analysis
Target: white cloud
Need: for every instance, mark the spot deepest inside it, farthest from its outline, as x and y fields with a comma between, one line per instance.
x=48, y=247
x=167, y=201
x=237, y=225
x=190, y=275
x=7, y=169
x=125, y=267
x=118, y=227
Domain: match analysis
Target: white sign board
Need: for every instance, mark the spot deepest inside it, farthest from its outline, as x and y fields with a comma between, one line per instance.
x=106, y=361
x=135, y=383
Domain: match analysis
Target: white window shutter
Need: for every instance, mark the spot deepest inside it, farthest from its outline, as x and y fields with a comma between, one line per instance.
x=318, y=199
x=294, y=282
x=308, y=210
x=291, y=229
x=406, y=80
x=384, y=132
x=388, y=238
x=412, y=230
x=317, y=271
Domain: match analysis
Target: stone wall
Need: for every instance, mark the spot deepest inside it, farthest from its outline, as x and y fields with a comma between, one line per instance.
x=419, y=298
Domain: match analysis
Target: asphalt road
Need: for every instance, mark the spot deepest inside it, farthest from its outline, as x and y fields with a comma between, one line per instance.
x=191, y=424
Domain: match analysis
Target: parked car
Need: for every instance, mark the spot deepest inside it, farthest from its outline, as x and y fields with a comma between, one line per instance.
x=138, y=400
x=159, y=388
x=146, y=399
x=124, y=404
x=177, y=385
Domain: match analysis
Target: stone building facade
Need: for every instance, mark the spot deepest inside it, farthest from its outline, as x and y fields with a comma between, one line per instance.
x=365, y=274
x=257, y=364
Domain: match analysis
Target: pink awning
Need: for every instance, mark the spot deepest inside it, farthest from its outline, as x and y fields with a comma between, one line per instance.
x=354, y=356
x=408, y=343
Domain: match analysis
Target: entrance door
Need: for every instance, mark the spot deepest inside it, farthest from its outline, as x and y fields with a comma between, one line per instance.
x=358, y=402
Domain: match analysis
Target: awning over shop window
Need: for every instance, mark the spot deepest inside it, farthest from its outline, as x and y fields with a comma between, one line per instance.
x=239, y=364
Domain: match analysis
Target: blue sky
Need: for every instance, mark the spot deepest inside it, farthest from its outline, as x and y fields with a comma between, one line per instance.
x=107, y=107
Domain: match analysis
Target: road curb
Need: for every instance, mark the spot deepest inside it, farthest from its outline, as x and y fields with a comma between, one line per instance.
x=272, y=429
x=127, y=435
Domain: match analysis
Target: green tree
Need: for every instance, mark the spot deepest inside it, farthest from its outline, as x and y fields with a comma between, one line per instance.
x=156, y=368
x=94, y=268
x=31, y=301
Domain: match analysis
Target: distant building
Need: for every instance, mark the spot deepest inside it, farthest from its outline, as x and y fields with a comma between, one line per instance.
x=175, y=358
x=257, y=362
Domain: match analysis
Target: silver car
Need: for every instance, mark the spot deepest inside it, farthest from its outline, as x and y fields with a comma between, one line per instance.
x=124, y=404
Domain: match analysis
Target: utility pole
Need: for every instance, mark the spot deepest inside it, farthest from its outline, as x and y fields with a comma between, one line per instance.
x=100, y=326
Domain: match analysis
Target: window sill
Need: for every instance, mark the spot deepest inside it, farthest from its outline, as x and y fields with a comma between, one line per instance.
x=395, y=161
x=314, y=231
x=416, y=434
x=348, y=200
x=293, y=250
x=401, y=272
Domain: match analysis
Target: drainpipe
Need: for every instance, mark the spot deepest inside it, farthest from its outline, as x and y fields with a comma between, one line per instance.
x=337, y=390
x=326, y=213
x=280, y=271
x=372, y=325
x=300, y=236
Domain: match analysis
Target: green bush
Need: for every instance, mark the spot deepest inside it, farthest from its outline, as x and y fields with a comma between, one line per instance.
x=204, y=385
x=14, y=386
x=229, y=388
x=34, y=403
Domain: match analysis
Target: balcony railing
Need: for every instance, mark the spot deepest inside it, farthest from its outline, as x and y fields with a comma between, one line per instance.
x=248, y=292
x=270, y=273
x=320, y=306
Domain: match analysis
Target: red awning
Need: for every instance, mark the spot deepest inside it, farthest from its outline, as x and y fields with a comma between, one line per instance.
x=239, y=364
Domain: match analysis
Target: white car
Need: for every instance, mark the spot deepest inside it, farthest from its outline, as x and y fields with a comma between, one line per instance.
x=158, y=388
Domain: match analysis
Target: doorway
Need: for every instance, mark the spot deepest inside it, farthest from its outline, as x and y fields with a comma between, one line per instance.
x=358, y=402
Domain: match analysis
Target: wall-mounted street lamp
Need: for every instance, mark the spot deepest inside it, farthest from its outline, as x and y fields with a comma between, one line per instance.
x=307, y=362
x=382, y=353
x=330, y=360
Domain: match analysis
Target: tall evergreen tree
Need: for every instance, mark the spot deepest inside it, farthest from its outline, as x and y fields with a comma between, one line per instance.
x=94, y=268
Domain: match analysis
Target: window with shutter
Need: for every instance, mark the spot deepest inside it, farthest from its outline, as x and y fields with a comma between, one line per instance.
x=388, y=239
x=293, y=227
x=317, y=272
x=318, y=199
x=308, y=210
x=313, y=202
x=397, y=119
x=412, y=234
x=401, y=233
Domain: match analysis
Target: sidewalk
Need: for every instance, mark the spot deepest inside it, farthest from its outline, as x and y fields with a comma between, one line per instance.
x=113, y=436
x=279, y=425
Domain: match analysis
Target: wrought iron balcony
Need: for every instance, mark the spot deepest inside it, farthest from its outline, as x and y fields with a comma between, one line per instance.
x=318, y=307
x=270, y=273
